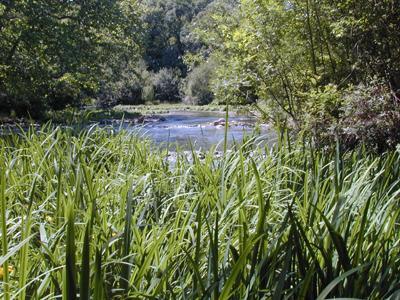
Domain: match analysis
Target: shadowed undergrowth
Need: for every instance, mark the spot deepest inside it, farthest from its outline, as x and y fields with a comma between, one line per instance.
x=101, y=215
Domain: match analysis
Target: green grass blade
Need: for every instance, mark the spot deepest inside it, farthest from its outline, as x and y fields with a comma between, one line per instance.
x=70, y=288
x=336, y=281
x=4, y=240
x=85, y=266
x=125, y=272
x=239, y=266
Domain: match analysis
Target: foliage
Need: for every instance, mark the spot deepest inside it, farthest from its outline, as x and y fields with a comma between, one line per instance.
x=54, y=55
x=360, y=115
x=89, y=213
x=166, y=85
x=81, y=118
x=277, y=52
x=164, y=108
x=205, y=45
x=164, y=43
x=371, y=117
x=372, y=29
x=126, y=88
x=197, y=89
x=324, y=113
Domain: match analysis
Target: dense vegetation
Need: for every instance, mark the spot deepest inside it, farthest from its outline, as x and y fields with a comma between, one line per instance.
x=91, y=213
x=308, y=64
x=59, y=54
x=327, y=67
x=106, y=216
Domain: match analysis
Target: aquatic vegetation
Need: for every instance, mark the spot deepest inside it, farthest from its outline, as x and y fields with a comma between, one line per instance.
x=103, y=215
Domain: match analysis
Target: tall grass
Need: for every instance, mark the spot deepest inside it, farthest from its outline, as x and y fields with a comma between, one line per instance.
x=101, y=215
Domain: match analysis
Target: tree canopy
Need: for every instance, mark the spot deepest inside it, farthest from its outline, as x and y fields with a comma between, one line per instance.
x=54, y=55
x=327, y=68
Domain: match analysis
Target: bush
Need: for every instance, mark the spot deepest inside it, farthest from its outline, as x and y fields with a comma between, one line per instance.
x=65, y=91
x=196, y=89
x=372, y=117
x=368, y=115
x=322, y=114
x=126, y=88
x=166, y=85
x=148, y=93
x=22, y=107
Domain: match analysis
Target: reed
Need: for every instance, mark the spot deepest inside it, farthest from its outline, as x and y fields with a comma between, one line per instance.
x=101, y=215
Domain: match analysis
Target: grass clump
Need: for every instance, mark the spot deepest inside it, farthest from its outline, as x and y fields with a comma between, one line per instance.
x=104, y=215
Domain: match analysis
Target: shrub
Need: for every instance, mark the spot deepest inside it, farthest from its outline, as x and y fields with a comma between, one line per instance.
x=166, y=85
x=148, y=93
x=364, y=114
x=126, y=88
x=372, y=117
x=196, y=88
x=65, y=91
x=322, y=113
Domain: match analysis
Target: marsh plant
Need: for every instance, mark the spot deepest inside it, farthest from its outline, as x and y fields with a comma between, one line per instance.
x=103, y=215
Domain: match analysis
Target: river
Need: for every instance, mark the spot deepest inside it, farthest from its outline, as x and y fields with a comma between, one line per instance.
x=202, y=129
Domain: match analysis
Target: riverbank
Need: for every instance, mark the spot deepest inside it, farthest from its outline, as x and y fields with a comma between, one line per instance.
x=69, y=116
x=81, y=117
x=130, y=113
x=179, y=107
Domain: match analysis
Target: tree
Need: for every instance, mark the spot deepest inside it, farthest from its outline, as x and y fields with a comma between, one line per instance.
x=54, y=55
x=166, y=22
x=371, y=30
x=280, y=52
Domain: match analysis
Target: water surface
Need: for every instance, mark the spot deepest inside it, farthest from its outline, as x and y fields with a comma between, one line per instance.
x=201, y=129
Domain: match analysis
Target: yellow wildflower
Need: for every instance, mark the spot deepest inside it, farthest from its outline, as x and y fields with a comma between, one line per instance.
x=10, y=269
